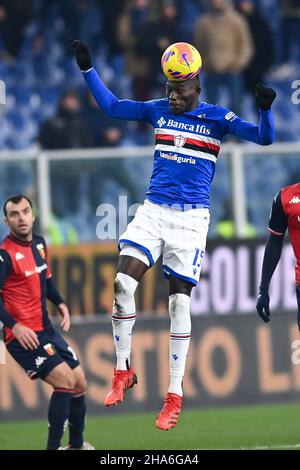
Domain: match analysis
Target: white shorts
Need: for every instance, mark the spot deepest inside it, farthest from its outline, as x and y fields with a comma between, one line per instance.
x=179, y=235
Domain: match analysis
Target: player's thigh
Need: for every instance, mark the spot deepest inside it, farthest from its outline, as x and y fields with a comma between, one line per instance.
x=61, y=376
x=67, y=354
x=184, y=251
x=39, y=362
x=132, y=266
x=179, y=286
x=80, y=380
x=141, y=244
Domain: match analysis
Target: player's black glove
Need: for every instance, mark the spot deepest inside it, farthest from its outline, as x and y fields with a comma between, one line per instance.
x=82, y=54
x=264, y=96
x=262, y=305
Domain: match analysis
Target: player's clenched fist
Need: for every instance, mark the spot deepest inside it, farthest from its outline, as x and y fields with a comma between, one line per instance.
x=82, y=54
x=264, y=96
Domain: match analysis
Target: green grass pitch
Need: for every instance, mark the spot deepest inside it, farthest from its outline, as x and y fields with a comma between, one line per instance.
x=249, y=427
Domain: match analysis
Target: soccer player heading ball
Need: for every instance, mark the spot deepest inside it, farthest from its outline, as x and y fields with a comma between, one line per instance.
x=174, y=219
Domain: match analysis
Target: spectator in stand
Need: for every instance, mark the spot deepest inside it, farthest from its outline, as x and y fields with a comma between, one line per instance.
x=66, y=130
x=106, y=132
x=15, y=15
x=132, y=22
x=224, y=41
x=155, y=37
x=290, y=10
x=263, y=57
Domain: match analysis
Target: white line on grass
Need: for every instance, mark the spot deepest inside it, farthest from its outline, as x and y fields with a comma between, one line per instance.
x=279, y=446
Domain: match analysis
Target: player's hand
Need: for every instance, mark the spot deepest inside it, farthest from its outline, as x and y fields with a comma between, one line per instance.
x=26, y=336
x=66, y=320
x=82, y=54
x=264, y=96
x=262, y=306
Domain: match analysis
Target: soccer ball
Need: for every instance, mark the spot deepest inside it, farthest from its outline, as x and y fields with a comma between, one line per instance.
x=181, y=61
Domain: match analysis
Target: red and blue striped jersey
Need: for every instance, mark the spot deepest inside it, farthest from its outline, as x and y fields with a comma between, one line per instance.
x=186, y=145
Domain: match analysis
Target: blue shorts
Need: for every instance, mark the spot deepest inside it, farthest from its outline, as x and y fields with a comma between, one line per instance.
x=52, y=351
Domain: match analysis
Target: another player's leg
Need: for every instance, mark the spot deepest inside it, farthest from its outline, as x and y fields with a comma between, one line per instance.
x=63, y=382
x=130, y=272
x=180, y=333
x=77, y=413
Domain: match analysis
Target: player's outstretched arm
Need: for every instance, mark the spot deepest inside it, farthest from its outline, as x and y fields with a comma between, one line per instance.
x=111, y=105
x=264, y=132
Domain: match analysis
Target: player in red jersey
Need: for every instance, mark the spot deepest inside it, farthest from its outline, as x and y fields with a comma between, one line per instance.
x=285, y=214
x=25, y=285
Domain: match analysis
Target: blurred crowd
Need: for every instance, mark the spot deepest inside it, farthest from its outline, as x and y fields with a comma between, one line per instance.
x=242, y=42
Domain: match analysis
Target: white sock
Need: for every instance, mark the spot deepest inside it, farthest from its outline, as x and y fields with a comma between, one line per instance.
x=180, y=334
x=123, y=318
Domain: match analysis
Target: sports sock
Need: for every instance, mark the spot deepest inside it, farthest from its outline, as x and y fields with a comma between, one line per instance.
x=76, y=420
x=58, y=414
x=180, y=334
x=123, y=318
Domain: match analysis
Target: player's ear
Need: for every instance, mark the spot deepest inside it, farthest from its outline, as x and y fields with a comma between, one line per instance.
x=5, y=220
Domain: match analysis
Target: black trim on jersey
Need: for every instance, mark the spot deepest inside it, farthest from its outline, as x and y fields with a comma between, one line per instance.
x=52, y=293
x=197, y=148
x=278, y=219
x=39, y=261
x=5, y=269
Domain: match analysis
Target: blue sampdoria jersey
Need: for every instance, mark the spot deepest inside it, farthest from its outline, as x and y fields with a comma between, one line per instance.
x=186, y=145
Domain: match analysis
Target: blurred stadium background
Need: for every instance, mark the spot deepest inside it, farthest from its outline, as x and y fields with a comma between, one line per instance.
x=58, y=148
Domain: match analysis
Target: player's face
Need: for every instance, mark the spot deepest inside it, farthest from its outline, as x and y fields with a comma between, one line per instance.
x=182, y=96
x=20, y=219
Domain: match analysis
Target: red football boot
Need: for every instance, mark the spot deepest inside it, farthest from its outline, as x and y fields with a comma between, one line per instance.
x=122, y=381
x=169, y=415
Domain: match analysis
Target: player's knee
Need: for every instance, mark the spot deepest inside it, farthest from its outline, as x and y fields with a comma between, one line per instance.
x=80, y=386
x=179, y=305
x=124, y=288
x=68, y=379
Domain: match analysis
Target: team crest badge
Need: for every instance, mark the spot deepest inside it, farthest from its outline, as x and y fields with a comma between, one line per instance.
x=41, y=249
x=50, y=349
x=179, y=141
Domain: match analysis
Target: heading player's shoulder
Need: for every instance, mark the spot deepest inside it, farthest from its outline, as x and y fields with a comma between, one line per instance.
x=159, y=103
x=218, y=112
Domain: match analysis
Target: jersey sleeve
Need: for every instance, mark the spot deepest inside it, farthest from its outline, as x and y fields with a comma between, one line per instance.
x=112, y=106
x=262, y=133
x=5, y=270
x=5, y=267
x=48, y=272
x=278, y=222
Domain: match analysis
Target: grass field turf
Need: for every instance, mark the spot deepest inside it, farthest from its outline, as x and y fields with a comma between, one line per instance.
x=249, y=427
